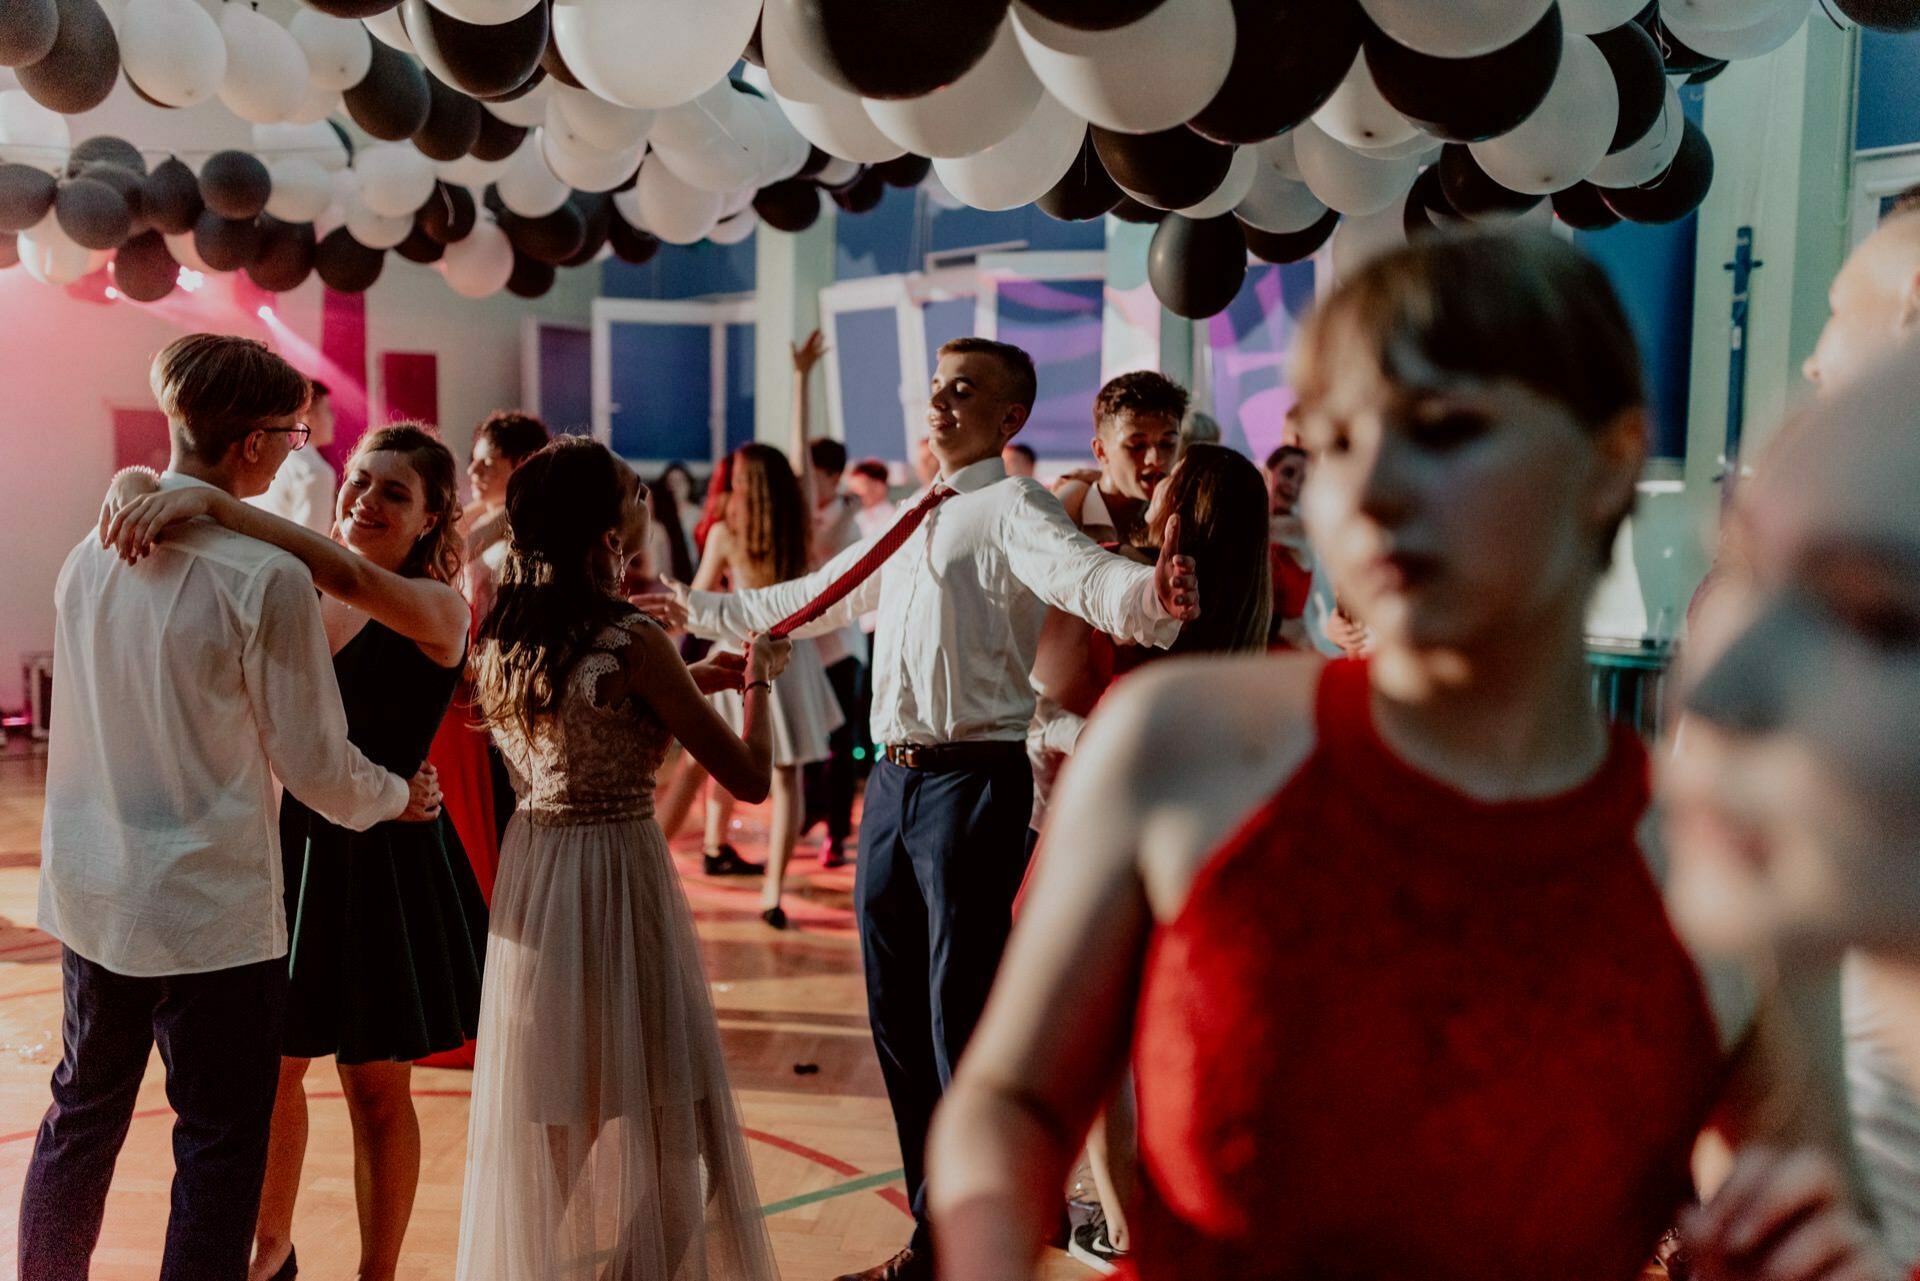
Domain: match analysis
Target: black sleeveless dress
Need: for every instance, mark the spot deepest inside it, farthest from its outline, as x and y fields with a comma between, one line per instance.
x=388, y=927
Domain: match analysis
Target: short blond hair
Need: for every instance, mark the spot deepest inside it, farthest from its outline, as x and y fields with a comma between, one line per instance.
x=216, y=389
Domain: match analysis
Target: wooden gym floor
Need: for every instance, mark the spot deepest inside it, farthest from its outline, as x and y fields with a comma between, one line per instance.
x=822, y=1141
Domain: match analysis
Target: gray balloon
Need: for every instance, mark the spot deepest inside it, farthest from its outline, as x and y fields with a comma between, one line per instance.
x=78, y=72
x=27, y=31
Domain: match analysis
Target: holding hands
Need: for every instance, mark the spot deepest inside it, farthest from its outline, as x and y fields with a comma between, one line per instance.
x=767, y=657
x=1782, y=1216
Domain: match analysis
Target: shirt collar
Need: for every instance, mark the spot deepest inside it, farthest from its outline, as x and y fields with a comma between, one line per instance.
x=177, y=480
x=976, y=475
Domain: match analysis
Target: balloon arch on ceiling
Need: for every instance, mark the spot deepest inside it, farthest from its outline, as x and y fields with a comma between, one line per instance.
x=517, y=137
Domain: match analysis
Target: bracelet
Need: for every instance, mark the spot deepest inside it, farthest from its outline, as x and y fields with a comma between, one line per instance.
x=750, y=686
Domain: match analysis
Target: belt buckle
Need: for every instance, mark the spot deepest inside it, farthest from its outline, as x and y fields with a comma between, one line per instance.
x=906, y=754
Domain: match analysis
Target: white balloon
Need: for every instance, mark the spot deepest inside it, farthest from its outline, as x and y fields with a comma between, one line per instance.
x=181, y=247
x=734, y=202
x=599, y=123
x=1277, y=154
x=984, y=105
x=840, y=126
x=377, y=231
x=528, y=187
x=479, y=264
x=1420, y=148
x=787, y=151
x=1344, y=179
x=338, y=49
x=1591, y=17
x=937, y=194
x=626, y=203
x=1456, y=28
x=1567, y=137
x=651, y=53
x=1233, y=188
x=484, y=13
x=331, y=219
x=316, y=142
x=1714, y=15
x=302, y=190
x=1357, y=115
x=731, y=231
x=1358, y=240
x=529, y=109
x=1151, y=74
x=50, y=255
x=1765, y=25
x=31, y=134
x=1648, y=157
x=315, y=106
x=388, y=29
x=1020, y=168
x=790, y=72
x=395, y=180
x=677, y=213
x=1278, y=204
x=584, y=168
x=837, y=173
x=717, y=142
x=266, y=72
x=470, y=172
x=173, y=51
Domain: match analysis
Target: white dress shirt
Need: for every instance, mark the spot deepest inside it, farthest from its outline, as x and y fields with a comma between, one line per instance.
x=177, y=683
x=871, y=522
x=835, y=530
x=961, y=605
x=302, y=491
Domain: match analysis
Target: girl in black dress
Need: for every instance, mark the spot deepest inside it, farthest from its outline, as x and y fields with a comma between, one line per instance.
x=387, y=926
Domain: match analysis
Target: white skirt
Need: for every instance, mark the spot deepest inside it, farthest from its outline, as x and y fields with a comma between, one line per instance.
x=603, y=1143
x=805, y=710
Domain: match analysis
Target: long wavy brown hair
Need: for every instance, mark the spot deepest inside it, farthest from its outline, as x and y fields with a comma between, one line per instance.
x=767, y=517
x=437, y=554
x=556, y=589
x=1221, y=500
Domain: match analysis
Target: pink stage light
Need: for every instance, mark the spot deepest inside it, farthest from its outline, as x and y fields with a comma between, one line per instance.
x=112, y=293
x=264, y=312
x=190, y=280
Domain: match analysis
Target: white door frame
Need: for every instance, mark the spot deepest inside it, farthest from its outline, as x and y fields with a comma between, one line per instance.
x=716, y=316
x=1877, y=174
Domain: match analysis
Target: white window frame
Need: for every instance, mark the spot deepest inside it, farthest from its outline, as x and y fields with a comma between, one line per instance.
x=1877, y=174
x=716, y=315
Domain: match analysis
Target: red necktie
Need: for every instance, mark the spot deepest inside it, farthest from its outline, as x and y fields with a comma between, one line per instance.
x=864, y=568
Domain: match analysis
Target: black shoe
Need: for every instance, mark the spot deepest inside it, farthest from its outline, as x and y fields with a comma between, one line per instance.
x=288, y=1270
x=726, y=861
x=904, y=1266
x=776, y=917
x=1091, y=1246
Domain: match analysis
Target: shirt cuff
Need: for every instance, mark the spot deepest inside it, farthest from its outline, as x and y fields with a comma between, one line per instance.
x=398, y=794
x=1162, y=628
x=704, y=616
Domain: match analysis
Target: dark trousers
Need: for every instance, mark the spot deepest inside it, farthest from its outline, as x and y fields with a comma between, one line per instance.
x=942, y=854
x=219, y=1037
x=829, y=783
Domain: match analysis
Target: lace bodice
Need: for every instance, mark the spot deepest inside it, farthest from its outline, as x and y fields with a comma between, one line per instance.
x=590, y=762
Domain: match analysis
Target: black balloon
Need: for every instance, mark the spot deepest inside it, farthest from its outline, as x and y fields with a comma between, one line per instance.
x=1883, y=15
x=1292, y=246
x=1675, y=193
x=354, y=8
x=9, y=250
x=1086, y=191
x=346, y=265
x=1709, y=73
x=1196, y=266
x=886, y=49
x=905, y=172
x=1131, y=210
x=170, y=197
x=490, y=197
x=453, y=123
x=497, y=139
x=1469, y=99
x=1288, y=58
x=78, y=72
x=1094, y=15
x=27, y=32
x=531, y=278
x=863, y=193
x=391, y=101
x=482, y=60
x=235, y=184
x=1172, y=169
x=420, y=247
x=1641, y=76
x=1471, y=192
x=815, y=162
x=532, y=82
x=225, y=244
x=144, y=270
x=285, y=257
x=1582, y=208
x=92, y=214
x=1677, y=56
x=553, y=238
x=448, y=215
x=598, y=208
x=26, y=194
x=631, y=244
x=555, y=64
x=1427, y=207
x=106, y=149
x=130, y=185
x=793, y=205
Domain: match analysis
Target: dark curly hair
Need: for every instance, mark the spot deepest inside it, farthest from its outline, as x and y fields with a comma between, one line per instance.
x=1140, y=392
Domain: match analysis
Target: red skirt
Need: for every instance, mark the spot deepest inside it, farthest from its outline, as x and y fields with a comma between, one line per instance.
x=459, y=753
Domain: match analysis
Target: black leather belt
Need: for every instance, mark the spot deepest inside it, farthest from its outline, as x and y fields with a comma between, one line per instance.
x=950, y=756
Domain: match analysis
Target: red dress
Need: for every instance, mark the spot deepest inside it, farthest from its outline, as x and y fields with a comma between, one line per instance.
x=1397, y=1033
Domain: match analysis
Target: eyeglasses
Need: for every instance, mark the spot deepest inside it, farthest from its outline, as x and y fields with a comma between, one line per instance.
x=297, y=435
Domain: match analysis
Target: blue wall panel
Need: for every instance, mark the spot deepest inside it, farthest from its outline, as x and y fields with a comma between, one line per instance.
x=661, y=384
x=869, y=358
x=1889, y=114
x=566, y=379
x=1059, y=323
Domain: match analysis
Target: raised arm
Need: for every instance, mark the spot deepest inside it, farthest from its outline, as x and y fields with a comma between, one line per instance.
x=1072, y=573
x=805, y=356
x=739, y=615
x=432, y=614
x=655, y=671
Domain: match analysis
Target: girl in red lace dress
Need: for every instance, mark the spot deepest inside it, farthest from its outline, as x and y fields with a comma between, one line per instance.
x=1401, y=994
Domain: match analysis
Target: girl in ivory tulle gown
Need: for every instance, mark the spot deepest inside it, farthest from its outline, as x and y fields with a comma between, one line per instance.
x=603, y=1143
